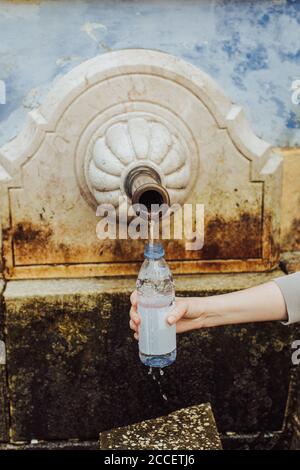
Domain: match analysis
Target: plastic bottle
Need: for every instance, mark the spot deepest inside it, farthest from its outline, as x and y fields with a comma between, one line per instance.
x=156, y=296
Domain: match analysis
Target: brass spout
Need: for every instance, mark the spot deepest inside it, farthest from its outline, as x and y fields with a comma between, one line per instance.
x=143, y=186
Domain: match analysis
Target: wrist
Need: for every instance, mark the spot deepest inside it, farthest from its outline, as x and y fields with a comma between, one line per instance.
x=214, y=311
x=207, y=311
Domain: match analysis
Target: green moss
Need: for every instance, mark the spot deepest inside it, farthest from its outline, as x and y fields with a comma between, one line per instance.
x=74, y=371
x=3, y=406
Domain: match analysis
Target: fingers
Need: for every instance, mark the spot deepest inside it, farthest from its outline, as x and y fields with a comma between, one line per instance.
x=134, y=317
x=133, y=298
x=178, y=311
x=134, y=327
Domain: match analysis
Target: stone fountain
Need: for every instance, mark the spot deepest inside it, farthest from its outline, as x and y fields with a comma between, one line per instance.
x=68, y=355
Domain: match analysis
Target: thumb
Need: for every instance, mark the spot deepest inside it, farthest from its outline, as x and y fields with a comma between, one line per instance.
x=177, y=312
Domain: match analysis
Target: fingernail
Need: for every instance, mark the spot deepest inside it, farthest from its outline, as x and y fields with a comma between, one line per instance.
x=171, y=319
x=135, y=317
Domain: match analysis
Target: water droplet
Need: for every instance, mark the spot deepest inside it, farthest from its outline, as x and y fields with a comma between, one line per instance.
x=153, y=372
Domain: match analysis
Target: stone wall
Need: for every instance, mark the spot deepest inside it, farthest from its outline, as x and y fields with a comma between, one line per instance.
x=4, y=419
x=250, y=48
x=74, y=371
x=290, y=213
x=291, y=264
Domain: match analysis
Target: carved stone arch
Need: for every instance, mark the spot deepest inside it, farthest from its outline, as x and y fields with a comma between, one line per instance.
x=101, y=119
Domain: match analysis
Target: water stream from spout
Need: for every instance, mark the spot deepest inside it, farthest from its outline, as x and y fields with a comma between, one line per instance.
x=156, y=374
x=152, y=226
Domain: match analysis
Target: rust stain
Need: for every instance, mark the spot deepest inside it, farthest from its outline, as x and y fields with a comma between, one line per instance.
x=290, y=262
x=5, y=241
x=292, y=238
x=240, y=238
x=227, y=242
x=29, y=241
x=25, y=232
x=290, y=219
x=224, y=239
x=271, y=241
x=5, y=234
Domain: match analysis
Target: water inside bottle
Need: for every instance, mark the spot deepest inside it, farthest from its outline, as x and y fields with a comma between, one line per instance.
x=157, y=343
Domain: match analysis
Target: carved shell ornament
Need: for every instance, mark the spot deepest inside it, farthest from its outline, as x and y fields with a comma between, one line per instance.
x=132, y=142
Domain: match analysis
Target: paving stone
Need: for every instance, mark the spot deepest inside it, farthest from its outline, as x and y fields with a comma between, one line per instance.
x=192, y=428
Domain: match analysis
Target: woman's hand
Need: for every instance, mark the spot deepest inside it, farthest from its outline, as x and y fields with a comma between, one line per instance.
x=187, y=314
x=261, y=303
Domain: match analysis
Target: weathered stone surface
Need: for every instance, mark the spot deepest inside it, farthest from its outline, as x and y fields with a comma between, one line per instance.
x=295, y=444
x=3, y=390
x=74, y=370
x=290, y=261
x=1, y=244
x=294, y=422
x=72, y=444
x=208, y=283
x=192, y=428
x=155, y=109
x=254, y=441
x=1, y=307
x=290, y=217
x=3, y=406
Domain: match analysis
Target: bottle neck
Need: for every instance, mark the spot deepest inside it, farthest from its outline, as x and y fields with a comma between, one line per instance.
x=154, y=251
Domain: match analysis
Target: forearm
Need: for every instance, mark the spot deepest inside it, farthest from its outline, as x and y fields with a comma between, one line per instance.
x=261, y=303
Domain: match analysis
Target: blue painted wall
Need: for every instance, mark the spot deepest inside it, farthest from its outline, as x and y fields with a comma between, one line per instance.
x=252, y=49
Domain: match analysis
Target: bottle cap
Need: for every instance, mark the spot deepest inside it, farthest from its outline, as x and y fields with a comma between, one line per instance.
x=154, y=251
